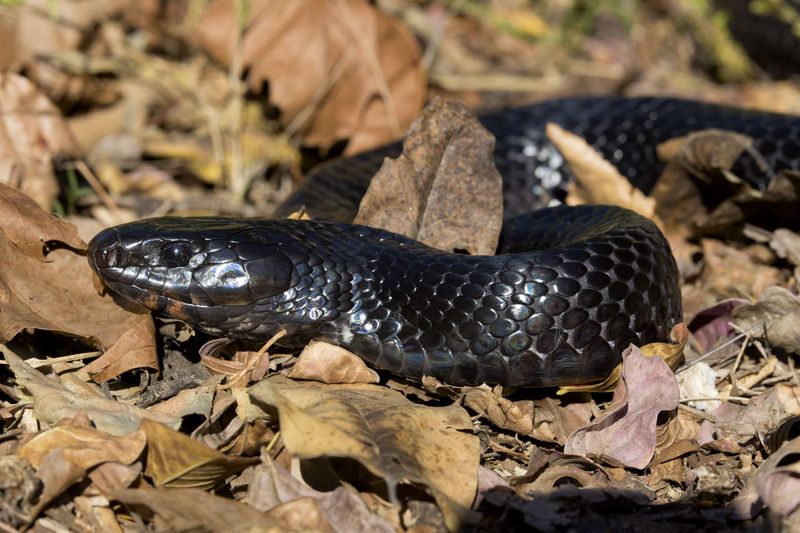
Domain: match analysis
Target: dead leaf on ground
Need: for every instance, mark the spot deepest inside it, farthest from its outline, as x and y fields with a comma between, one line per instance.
x=343, y=508
x=178, y=461
x=196, y=510
x=779, y=310
x=136, y=348
x=444, y=190
x=626, y=432
x=64, y=454
x=392, y=437
x=730, y=272
x=776, y=484
x=32, y=133
x=320, y=361
x=761, y=416
x=55, y=401
x=596, y=180
x=336, y=69
x=85, y=446
x=545, y=419
x=55, y=292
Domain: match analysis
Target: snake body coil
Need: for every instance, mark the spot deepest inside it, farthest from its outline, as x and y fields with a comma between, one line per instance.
x=570, y=288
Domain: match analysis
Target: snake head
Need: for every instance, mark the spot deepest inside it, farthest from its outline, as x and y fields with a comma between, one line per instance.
x=186, y=267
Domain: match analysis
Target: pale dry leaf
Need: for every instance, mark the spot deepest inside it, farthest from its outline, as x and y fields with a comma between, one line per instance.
x=761, y=416
x=730, y=272
x=336, y=69
x=54, y=402
x=596, y=180
x=343, y=508
x=776, y=484
x=197, y=510
x=392, y=437
x=786, y=244
x=86, y=447
x=444, y=190
x=626, y=432
x=320, y=361
x=779, y=310
x=32, y=133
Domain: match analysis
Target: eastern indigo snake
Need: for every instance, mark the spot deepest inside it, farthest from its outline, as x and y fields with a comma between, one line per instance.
x=570, y=288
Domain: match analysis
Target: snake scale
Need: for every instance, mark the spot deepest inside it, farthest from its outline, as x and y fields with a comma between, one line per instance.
x=568, y=291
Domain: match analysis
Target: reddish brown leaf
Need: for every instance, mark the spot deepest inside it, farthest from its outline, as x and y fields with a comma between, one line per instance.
x=53, y=293
x=337, y=69
x=444, y=190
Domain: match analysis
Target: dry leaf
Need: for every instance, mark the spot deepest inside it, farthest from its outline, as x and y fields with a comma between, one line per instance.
x=444, y=189
x=53, y=401
x=733, y=273
x=196, y=510
x=29, y=281
x=626, y=431
x=502, y=412
x=32, y=133
x=177, y=461
x=328, y=363
x=776, y=484
x=779, y=310
x=392, y=437
x=761, y=416
x=136, y=348
x=337, y=69
x=86, y=447
x=343, y=508
x=596, y=180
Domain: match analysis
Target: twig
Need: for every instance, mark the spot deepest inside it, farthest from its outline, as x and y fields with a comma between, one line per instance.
x=95, y=184
x=716, y=398
x=50, y=361
x=720, y=347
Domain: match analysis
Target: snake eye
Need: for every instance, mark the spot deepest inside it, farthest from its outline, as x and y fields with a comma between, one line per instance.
x=176, y=254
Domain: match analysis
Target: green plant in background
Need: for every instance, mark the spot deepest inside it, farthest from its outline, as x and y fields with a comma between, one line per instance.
x=73, y=192
x=780, y=9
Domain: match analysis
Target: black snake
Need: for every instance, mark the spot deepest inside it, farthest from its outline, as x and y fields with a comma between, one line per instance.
x=570, y=288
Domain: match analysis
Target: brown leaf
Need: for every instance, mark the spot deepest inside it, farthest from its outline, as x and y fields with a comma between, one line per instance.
x=392, y=437
x=29, y=281
x=444, y=190
x=63, y=454
x=53, y=401
x=32, y=132
x=779, y=310
x=177, y=461
x=344, y=510
x=776, y=484
x=136, y=348
x=597, y=181
x=502, y=412
x=196, y=510
x=336, y=69
x=86, y=447
x=733, y=273
x=627, y=431
x=761, y=416
x=328, y=363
